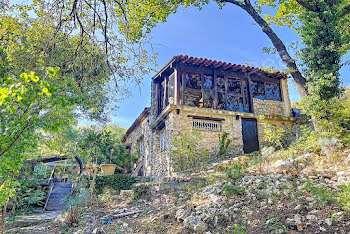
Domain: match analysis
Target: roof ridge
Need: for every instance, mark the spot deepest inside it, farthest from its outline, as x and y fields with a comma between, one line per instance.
x=225, y=65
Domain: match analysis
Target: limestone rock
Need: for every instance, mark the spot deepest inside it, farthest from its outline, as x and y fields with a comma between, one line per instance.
x=200, y=227
x=191, y=221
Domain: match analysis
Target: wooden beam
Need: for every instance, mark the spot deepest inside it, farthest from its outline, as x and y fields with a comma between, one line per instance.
x=183, y=88
x=176, y=85
x=206, y=118
x=250, y=89
x=215, y=91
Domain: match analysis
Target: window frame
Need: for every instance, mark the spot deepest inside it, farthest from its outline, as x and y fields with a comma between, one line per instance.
x=278, y=83
x=201, y=90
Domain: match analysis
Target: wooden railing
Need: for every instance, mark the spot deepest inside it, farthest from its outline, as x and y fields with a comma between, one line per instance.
x=51, y=183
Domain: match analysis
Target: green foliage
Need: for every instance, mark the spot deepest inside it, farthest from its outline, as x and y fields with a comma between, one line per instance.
x=103, y=146
x=230, y=189
x=332, y=117
x=106, y=196
x=187, y=152
x=141, y=190
x=224, y=142
x=28, y=195
x=116, y=182
x=320, y=192
x=238, y=229
x=75, y=206
x=277, y=136
x=276, y=226
x=234, y=175
x=344, y=197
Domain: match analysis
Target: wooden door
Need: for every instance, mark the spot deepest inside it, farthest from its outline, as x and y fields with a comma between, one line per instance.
x=250, y=135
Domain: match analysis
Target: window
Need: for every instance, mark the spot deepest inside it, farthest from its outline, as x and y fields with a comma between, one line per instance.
x=193, y=81
x=207, y=82
x=162, y=98
x=265, y=90
x=233, y=99
x=207, y=93
x=234, y=103
x=258, y=89
x=141, y=146
x=273, y=91
x=234, y=86
x=221, y=93
x=162, y=140
x=206, y=125
x=199, y=92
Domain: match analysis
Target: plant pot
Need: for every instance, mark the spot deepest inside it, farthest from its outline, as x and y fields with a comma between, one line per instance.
x=108, y=169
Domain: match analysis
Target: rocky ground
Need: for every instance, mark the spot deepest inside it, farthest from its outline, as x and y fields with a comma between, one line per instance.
x=208, y=202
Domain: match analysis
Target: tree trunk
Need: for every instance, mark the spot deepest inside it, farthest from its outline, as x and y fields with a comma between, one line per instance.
x=299, y=79
x=2, y=225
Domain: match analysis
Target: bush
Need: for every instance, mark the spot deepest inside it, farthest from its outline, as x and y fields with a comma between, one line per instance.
x=224, y=143
x=187, y=152
x=234, y=175
x=75, y=206
x=117, y=182
x=275, y=135
x=141, y=190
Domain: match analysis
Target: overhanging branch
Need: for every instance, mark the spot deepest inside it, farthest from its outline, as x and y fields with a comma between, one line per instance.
x=300, y=81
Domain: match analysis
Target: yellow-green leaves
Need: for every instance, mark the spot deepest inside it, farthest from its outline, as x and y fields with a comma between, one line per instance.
x=3, y=94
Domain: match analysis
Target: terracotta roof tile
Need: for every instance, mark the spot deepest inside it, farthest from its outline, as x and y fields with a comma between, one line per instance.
x=224, y=65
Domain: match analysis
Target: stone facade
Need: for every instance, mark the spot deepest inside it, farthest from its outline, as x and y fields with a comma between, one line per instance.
x=163, y=122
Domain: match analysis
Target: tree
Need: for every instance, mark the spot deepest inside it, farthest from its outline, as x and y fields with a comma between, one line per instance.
x=49, y=73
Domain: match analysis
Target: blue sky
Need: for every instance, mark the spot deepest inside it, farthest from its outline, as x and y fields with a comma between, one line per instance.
x=228, y=35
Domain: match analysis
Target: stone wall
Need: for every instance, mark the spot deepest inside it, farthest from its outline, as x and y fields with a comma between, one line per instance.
x=158, y=163
x=142, y=131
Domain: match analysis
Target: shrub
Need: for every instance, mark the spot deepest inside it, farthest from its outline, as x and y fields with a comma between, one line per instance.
x=234, y=175
x=274, y=135
x=140, y=190
x=75, y=206
x=187, y=152
x=224, y=143
x=117, y=182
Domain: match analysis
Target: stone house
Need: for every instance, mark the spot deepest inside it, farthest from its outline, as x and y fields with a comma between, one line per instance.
x=212, y=97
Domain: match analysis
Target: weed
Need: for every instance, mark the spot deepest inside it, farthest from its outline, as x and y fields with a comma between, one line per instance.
x=276, y=226
x=166, y=188
x=344, y=197
x=230, y=189
x=224, y=143
x=262, y=185
x=238, y=229
x=234, y=173
x=140, y=190
x=321, y=193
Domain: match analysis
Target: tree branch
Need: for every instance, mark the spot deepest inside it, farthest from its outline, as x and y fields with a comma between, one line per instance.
x=345, y=11
x=308, y=6
x=300, y=81
x=16, y=138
